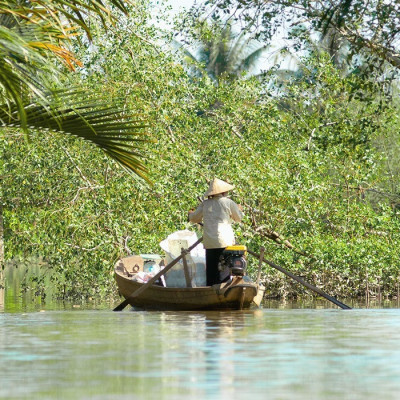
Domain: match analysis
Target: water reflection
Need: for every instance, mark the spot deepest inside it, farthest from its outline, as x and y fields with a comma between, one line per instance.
x=302, y=350
x=212, y=353
x=264, y=353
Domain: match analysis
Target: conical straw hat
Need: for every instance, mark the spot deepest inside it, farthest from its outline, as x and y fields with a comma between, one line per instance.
x=218, y=186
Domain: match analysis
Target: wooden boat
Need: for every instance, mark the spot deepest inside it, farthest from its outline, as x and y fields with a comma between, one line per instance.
x=238, y=293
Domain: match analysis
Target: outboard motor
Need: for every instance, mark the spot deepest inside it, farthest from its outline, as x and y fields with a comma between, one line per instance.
x=234, y=258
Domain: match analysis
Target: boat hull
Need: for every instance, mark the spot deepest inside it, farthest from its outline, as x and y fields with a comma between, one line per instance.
x=236, y=294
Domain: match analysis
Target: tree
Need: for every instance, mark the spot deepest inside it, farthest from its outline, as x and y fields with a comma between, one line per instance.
x=371, y=28
x=221, y=52
x=34, y=57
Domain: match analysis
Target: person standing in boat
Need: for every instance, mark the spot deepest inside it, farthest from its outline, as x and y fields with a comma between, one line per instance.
x=217, y=213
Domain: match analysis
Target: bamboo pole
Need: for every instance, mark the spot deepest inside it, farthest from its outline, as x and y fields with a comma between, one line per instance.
x=304, y=283
x=260, y=261
x=188, y=278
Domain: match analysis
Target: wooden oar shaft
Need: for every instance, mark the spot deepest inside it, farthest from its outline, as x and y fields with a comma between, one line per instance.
x=304, y=283
x=154, y=278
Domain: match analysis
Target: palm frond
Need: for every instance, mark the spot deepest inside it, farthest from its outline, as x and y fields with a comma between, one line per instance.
x=120, y=135
x=239, y=44
x=25, y=67
x=59, y=12
x=225, y=53
x=250, y=60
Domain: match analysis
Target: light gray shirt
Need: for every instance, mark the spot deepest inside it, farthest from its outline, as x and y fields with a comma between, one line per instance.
x=217, y=214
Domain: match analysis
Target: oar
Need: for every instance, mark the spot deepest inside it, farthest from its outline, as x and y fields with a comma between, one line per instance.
x=304, y=283
x=154, y=278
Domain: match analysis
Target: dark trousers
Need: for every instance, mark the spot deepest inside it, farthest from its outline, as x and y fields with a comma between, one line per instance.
x=212, y=260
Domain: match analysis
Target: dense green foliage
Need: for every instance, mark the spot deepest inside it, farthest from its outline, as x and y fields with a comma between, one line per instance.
x=311, y=161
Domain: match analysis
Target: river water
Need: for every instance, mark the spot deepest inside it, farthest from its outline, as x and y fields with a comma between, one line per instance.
x=281, y=351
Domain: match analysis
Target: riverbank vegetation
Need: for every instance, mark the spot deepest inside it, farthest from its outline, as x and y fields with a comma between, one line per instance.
x=313, y=152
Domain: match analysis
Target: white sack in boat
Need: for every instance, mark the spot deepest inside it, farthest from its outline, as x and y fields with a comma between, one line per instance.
x=172, y=246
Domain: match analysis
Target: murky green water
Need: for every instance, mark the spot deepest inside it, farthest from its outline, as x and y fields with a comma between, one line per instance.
x=272, y=353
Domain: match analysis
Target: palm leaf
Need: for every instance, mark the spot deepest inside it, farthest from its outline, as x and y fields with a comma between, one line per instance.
x=33, y=34
x=120, y=135
x=25, y=67
x=59, y=12
x=251, y=59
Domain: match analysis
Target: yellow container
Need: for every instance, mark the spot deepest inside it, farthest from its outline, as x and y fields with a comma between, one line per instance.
x=237, y=249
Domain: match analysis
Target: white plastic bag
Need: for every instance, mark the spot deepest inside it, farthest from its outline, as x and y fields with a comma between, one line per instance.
x=196, y=260
x=142, y=277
